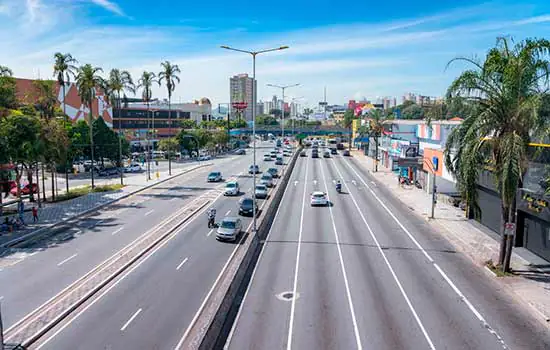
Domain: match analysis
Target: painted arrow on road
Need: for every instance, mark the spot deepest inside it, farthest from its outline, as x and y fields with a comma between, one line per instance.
x=295, y=183
x=315, y=182
x=354, y=183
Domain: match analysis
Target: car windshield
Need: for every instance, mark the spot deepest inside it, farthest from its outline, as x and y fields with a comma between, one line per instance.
x=261, y=187
x=319, y=195
x=266, y=177
x=247, y=203
x=213, y=174
x=231, y=185
x=228, y=224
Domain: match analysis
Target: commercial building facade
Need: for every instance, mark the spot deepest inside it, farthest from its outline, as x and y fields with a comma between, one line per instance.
x=240, y=90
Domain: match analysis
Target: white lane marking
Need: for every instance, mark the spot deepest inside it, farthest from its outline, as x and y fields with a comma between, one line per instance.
x=209, y=233
x=31, y=254
x=373, y=183
x=472, y=308
x=354, y=182
x=1, y=297
x=181, y=264
x=205, y=300
x=228, y=212
x=130, y=320
x=173, y=199
x=315, y=182
x=295, y=183
x=149, y=212
x=117, y=230
x=230, y=336
x=342, y=265
x=69, y=258
x=293, y=305
x=174, y=235
x=399, y=285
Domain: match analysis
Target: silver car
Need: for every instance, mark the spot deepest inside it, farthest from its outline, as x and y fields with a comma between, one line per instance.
x=229, y=229
x=261, y=191
x=232, y=189
x=267, y=180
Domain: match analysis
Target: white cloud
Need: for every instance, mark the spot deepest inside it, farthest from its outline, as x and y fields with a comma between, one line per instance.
x=32, y=8
x=109, y=6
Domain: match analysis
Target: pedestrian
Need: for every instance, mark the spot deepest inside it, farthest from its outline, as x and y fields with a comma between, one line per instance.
x=34, y=214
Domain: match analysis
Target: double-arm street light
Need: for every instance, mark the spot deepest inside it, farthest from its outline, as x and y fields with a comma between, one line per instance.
x=283, y=87
x=295, y=111
x=254, y=54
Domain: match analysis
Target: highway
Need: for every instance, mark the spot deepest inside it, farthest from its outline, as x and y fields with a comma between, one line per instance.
x=151, y=305
x=30, y=276
x=365, y=273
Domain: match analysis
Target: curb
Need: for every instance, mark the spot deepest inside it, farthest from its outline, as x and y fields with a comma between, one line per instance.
x=42, y=230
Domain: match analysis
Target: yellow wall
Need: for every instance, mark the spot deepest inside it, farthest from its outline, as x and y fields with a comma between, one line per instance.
x=356, y=124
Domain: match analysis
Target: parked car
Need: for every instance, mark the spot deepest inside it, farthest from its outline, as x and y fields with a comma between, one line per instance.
x=108, y=171
x=214, y=176
x=229, y=229
x=245, y=206
x=26, y=190
x=240, y=151
x=204, y=157
x=273, y=172
x=232, y=189
x=132, y=168
x=303, y=154
x=346, y=153
x=253, y=169
x=267, y=180
x=318, y=198
x=261, y=191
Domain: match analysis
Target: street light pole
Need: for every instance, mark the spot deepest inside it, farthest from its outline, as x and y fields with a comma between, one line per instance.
x=295, y=111
x=283, y=87
x=254, y=54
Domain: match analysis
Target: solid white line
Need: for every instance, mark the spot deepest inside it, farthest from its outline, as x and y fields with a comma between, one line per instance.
x=181, y=264
x=1, y=297
x=117, y=230
x=230, y=336
x=399, y=285
x=69, y=258
x=124, y=276
x=149, y=212
x=209, y=233
x=293, y=305
x=441, y=272
x=346, y=282
x=130, y=320
x=173, y=199
x=228, y=212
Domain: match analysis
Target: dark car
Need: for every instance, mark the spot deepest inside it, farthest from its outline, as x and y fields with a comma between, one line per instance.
x=303, y=154
x=253, y=169
x=326, y=154
x=340, y=146
x=314, y=153
x=273, y=172
x=108, y=171
x=245, y=207
x=346, y=153
x=333, y=151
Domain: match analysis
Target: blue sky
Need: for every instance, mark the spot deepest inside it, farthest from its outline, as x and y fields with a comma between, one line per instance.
x=356, y=49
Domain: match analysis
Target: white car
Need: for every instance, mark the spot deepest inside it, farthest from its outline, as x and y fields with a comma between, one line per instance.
x=267, y=157
x=267, y=180
x=133, y=168
x=229, y=229
x=261, y=191
x=204, y=157
x=319, y=198
x=232, y=189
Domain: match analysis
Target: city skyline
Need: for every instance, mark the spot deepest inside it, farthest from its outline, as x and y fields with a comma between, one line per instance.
x=384, y=55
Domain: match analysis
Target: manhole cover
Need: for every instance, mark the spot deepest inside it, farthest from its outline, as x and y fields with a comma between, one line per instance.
x=286, y=296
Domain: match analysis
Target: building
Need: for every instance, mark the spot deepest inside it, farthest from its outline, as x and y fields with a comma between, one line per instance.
x=260, y=108
x=75, y=109
x=240, y=90
x=268, y=106
x=136, y=119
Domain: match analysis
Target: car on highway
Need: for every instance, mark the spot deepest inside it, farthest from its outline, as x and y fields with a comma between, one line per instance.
x=245, y=206
x=253, y=169
x=267, y=180
x=267, y=157
x=229, y=229
x=340, y=146
x=346, y=153
x=273, y=153
x=133, y=168
x=261, y=191
x=314, y=153
x=273, y=172
x=326, y=154
x=319, y=198
x=333, y=151
x=279, y=160
x=214, y=176
x=287, y=153
x=232, y=189
x=303, y=154
x=278, y=143
x=25, y=190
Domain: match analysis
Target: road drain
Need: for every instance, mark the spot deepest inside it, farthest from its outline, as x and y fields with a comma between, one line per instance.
x=286, y=296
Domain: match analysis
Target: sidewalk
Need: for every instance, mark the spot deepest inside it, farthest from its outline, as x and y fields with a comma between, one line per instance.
x=531, y=284
x=53, y=213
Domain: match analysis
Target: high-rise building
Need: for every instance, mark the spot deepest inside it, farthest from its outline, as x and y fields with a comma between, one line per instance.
x=268, y=106
x=240, y=90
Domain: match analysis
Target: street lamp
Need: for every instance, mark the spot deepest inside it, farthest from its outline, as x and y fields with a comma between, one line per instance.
x=295, y=111
x=283, y=105
x=254, y=54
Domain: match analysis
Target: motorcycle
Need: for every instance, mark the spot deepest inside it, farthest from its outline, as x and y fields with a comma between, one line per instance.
x=211, y=222
x=339, y=188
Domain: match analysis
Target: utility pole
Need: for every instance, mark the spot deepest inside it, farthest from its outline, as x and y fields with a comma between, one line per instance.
x=325, y=103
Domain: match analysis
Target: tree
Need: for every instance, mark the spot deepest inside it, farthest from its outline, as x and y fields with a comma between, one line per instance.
x=412, y=111
x=349, y=116
x=264, y=119
x=53, y=146
x=188, y=124
x=505, y=91
x=169, y=74
x=238, y=123
x=170, y=145
x=8, y=98
x=308, y=112
x=45, y=98
x=5, y=71
x=376, y=129
x=146, y=84
x=119, y=81
x=87, y=80
x=64, y=68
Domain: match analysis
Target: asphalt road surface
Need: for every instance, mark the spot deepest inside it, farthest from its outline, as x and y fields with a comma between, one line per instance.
x=364, y=273
x=151, y=305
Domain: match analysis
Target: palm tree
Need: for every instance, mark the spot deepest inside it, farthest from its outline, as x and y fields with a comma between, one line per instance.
x=87, y=80
x=376, y=129
x=505, y=91
x=64, y=68
x=349, y=116
x=146, y=83
x=169, y=74
x=119, y=81
x=5, y=71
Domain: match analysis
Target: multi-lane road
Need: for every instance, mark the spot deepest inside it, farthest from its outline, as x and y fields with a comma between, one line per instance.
x=364, y=273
